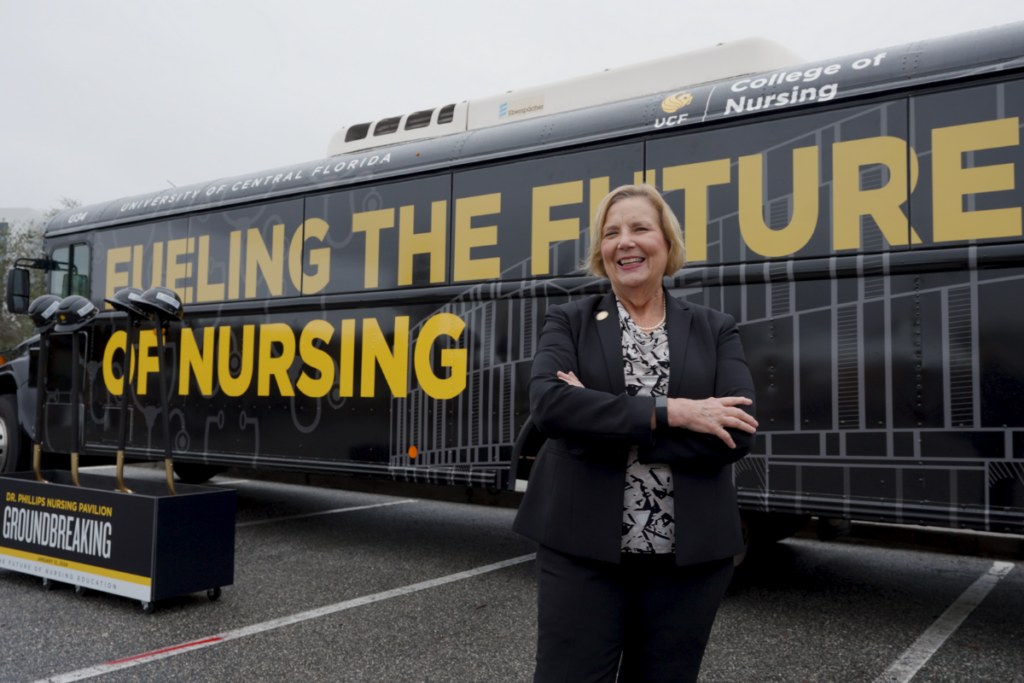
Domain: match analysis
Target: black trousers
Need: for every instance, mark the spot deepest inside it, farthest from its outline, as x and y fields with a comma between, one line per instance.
x=646, y=611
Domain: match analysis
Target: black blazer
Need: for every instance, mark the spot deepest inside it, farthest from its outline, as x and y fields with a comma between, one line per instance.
x=574, y=501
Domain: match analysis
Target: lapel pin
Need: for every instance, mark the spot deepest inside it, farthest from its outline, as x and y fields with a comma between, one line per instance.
x=601, y=315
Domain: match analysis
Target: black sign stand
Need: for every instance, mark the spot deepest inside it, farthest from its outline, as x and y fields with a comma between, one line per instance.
x=148, y=543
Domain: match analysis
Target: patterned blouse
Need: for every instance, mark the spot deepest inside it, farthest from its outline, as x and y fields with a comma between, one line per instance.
x=648, y=507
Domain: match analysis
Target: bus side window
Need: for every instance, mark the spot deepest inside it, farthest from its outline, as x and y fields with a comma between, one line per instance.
x=79, y=270
x=60, y=262
x=70, y=270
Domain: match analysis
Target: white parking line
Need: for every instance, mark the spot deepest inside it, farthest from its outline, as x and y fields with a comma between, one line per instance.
x=325, y=512
x=911, y=661
x=163, y=653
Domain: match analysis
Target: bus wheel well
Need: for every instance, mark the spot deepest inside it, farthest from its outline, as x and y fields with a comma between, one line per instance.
x=526, y=450
x=771, y=527
x=196, y=473
x=7, y=384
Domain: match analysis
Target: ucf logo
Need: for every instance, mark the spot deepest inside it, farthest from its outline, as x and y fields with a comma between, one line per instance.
x=673, y=103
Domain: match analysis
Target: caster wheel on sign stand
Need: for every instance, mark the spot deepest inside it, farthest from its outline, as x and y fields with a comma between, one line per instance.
x=49, y=584
x=213, y=594
x=148, y=607
x=81, y=591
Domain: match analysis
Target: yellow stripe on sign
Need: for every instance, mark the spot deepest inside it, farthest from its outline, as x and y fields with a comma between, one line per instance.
x=77, y=566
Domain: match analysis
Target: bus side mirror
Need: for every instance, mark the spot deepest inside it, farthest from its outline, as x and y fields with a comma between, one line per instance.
x=17, y=290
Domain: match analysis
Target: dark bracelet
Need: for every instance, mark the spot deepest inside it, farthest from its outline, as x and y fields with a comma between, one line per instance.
x=661, y=411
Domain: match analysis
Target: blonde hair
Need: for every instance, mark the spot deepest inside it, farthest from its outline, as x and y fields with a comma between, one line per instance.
x=667, y=220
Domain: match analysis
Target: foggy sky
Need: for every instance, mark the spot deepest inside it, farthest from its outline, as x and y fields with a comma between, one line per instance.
x=112, y=98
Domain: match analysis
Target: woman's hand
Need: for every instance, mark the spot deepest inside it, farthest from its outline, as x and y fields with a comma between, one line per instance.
x=570, y=379
x=712, y=416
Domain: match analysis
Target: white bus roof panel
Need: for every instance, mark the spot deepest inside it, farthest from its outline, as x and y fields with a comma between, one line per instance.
x=725, y=60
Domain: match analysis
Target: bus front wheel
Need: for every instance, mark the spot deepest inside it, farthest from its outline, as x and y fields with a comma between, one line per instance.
x=11, y=437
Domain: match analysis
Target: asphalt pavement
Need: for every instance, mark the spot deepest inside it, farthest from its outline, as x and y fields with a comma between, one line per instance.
x=334, y=585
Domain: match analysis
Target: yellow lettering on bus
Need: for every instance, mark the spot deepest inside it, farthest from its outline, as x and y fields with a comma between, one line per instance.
x=275, y=367
x=115, y=279
x=650, y=177
x=455, y=359
x=759, y=237
x=951, y=181
x=376, y=351
x=545, y=231
x=312, y=228
x=137, y=267
x=433, y=242
x=598, y=191
x=235, y=386
x=318, y=359
x=176, y=270
x=148, y=363
x=850, y=202
x=206, y=290
x=234, y=263
x=346, y=364
x=194, y=361
x=694, y=180
x=464, y=266
x=116, y=343
x=199, y=360
x=372, y=222
x=271, y=263
x=157, y=278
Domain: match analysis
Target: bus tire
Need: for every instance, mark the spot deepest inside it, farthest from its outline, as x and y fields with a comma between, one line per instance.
x=762, y=529
x=771, y=527
x=195, y=473
x=12, y=439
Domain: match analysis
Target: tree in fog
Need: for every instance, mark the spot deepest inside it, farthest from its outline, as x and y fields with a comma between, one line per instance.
x=23, y=239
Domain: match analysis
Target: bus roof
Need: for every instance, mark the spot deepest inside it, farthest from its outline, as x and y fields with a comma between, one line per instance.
x=989, y=51
x=686, y=69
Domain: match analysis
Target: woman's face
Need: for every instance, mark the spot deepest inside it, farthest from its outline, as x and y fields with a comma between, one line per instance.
x=633, y=248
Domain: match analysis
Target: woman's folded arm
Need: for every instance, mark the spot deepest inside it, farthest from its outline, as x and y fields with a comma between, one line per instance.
x=559, y=409
x=732, y=378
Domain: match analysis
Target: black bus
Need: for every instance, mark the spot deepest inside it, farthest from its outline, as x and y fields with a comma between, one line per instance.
x=375, y=314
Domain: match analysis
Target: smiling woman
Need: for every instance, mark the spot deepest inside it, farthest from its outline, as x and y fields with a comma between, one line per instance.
x=629, y=430
x=633, y=249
